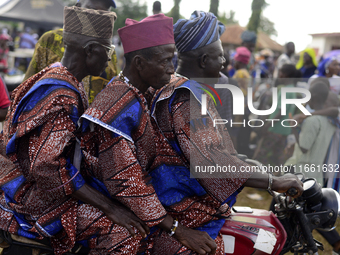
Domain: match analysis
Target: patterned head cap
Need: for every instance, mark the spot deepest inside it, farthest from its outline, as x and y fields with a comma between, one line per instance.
x=201, y=29
x=88, y=22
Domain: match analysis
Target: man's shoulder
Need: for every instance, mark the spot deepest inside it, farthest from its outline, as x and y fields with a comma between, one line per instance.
x=317, y=122
x=114, y=92
x=314, y=119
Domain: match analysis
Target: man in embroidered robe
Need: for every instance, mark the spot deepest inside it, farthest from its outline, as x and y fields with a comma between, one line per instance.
x=45, y=195
x=203, y=202
x=120, y=145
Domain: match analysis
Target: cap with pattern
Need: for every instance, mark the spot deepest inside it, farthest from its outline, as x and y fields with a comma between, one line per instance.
x=89, y=22
x=201, y=29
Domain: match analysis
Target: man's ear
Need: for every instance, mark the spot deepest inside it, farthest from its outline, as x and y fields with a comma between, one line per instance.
x=139, y=62
x=89, y=50
x=203, y=61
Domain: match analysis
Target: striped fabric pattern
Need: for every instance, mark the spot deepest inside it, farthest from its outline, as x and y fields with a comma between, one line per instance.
x=88, y=22
x=201, y=29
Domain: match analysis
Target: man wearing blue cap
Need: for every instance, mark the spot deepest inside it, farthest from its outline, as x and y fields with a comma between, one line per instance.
x=50, y=49
x=202, y=202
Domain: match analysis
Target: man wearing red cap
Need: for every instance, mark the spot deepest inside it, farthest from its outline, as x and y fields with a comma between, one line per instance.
x=120, y=146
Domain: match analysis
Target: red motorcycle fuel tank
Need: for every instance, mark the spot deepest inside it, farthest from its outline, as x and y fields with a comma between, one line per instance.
x=253, y=231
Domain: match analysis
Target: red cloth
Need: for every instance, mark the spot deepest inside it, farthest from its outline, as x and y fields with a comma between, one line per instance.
x=242, y=55
x=152, y=31
x=4, y=99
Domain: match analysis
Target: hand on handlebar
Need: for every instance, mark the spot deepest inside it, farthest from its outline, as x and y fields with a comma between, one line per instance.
x=288, y=183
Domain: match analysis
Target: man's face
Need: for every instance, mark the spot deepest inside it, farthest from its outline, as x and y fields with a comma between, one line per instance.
x=99, y=58
x=159, y=68
x=215, y=60
x=94, y=4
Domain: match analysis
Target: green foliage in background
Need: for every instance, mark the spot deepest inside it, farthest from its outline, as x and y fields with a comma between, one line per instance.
x=132, y=9
x=255, y=19
x=214, y=7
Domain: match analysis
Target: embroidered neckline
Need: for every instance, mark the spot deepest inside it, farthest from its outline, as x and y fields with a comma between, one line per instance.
x=123, y=78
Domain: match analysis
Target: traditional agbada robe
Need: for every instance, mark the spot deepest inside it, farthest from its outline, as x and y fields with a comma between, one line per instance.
x=200, y=203
x=119, y=143
x=39, y=135
x=119, y=146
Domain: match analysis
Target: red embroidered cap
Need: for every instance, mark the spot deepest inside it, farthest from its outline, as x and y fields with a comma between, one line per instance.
x=152, y=31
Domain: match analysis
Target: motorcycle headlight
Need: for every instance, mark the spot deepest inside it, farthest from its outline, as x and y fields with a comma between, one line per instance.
x=322, y=205
x=312, y=193
x=330, y=201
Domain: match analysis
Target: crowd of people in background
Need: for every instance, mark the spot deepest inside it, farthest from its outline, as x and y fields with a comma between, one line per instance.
x=123, y=124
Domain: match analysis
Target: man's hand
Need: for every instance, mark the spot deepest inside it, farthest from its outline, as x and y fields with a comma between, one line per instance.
x=115, y=211
x=284, y=183
x=198, y=241
x=298, y=117
x=123, y=216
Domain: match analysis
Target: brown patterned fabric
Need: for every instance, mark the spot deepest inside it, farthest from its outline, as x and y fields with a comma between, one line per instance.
x=88, y=22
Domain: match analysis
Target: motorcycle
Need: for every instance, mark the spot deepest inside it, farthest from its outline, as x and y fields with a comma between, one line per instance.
x=288, y=228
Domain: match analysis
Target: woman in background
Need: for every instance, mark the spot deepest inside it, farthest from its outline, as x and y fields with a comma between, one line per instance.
x=307, y=63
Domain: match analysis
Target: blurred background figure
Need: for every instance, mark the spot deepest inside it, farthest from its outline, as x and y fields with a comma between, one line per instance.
x=285, y=58
x=4, y=49
x=249, y=39
x=266, y=65
x=243, y=79
x=157, y=7
x=27, y=41
x=329, y=68
x=272, y=142
x=307, y=63
x=4, y=101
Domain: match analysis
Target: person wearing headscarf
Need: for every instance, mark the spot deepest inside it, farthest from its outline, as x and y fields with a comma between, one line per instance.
x=4, y=50
x=241, y=59
x=50, y=48
x=329, y=68
x=307, y=63
x=199, y=202
x=46, y=194
x=120, y=145
x=243, y=78
x=249, y=39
